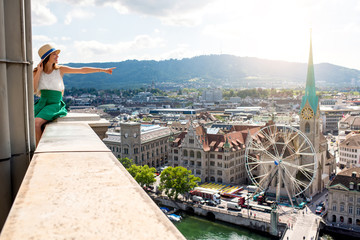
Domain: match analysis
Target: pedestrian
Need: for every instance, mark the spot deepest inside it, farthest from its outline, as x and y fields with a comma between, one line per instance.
x=306, y=210
x=49, y=85
x=303, y=212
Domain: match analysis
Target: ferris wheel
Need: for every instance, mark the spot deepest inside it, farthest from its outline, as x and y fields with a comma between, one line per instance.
x=281, y=161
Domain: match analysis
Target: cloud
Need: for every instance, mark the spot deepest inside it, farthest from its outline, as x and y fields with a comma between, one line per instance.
x=170, y=12
x=79, y=14
x=40, y=38
x=88, y=51
x=41, y=14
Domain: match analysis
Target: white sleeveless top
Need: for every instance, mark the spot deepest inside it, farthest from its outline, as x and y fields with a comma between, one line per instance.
x=52, y=81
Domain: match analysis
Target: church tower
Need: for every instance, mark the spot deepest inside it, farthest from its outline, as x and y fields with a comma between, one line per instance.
x=310, y=110
x=310, y=124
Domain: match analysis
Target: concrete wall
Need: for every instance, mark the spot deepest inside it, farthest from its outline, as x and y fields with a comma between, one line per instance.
x=223, y=215
x=17, y=141
x=75, y=188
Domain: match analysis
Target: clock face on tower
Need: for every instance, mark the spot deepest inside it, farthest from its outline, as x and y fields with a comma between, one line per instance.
x=307, y=113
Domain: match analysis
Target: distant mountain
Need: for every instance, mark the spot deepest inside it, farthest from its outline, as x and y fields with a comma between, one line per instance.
x=211, y=71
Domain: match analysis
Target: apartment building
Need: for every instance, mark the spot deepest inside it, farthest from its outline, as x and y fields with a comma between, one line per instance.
x=145, y=144
x=344, y=199
x=212, y=157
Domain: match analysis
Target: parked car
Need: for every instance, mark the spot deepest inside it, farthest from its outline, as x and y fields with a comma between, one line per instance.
x=210, y=203
x=233, y=206
x=198, y=199
x=319, y=209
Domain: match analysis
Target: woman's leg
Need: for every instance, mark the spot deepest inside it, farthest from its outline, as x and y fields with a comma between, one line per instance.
x=39, y=122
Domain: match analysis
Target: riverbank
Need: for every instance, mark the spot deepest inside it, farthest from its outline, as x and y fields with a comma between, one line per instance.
x=253, y=222
x=199, y=228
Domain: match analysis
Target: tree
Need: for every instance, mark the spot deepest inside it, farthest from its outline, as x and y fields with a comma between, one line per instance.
x=142, y=174
x=126, y=162
x=177, y=181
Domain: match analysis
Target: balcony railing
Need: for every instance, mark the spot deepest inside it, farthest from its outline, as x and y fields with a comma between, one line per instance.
x=75, y=188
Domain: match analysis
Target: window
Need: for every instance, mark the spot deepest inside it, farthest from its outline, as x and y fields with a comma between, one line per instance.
x=176, y=158
x=185, y=153
x=219, y=172
x=219, y=164
x=334, y=207
x=198, y=154
x=341, y=208
x=198, y=164
x=136, y=150
x=219, y=156
x=192, y=163
x=126, y=151
x=175, y=151
x=350, y=209
x=307, y=127
x=358, y=211
x=198, y=172
x=191, y=140
x=192, y=153
x=212, y=155
x=212, y=163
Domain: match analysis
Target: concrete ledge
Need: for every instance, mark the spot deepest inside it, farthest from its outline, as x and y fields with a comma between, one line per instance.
x=77, y=191
x=99, y=125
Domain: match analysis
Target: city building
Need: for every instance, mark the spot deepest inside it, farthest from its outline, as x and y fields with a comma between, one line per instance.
x=145, y=144
x=184, y=111
x=212, y=95
x=331, y=115
x=349, y=151
x=310, y=122
x=344, y=199
x=212, y=157
x=347, y=124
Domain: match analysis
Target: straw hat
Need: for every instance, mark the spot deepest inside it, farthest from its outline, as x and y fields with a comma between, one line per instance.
x=46, y=50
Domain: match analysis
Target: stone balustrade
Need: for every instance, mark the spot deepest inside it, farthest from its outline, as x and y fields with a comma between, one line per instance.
x=75, y=188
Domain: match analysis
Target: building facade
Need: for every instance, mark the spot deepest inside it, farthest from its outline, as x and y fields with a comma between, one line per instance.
x=348, y=124
x=145, y=144
x=212, y=95
x=344, y=199
x=212, y=157
x=349, y=151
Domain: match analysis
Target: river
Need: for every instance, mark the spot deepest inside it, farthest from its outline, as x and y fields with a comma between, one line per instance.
x=199, y=228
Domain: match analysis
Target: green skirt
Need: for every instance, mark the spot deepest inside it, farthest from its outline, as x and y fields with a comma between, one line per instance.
x=50, y=105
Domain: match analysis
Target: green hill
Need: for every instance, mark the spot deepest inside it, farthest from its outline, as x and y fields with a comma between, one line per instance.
x=211, y=71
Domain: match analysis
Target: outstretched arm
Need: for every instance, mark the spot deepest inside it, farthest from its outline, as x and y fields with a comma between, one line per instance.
x=84, y=70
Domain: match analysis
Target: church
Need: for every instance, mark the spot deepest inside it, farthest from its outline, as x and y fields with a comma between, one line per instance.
x=310, y=126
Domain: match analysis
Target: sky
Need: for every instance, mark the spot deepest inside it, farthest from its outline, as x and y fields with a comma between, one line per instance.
x=118, y=30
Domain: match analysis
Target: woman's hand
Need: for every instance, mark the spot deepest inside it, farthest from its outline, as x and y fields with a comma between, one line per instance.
x=40, y=67
x=109, y=70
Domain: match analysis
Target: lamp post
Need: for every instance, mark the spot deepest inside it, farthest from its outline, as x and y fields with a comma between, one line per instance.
x=248, y=199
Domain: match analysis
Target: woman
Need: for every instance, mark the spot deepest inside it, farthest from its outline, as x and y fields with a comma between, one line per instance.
x=49, y=85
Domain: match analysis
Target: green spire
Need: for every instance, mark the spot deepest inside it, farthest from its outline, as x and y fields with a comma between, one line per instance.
x=227, y=144
x=310, y=91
